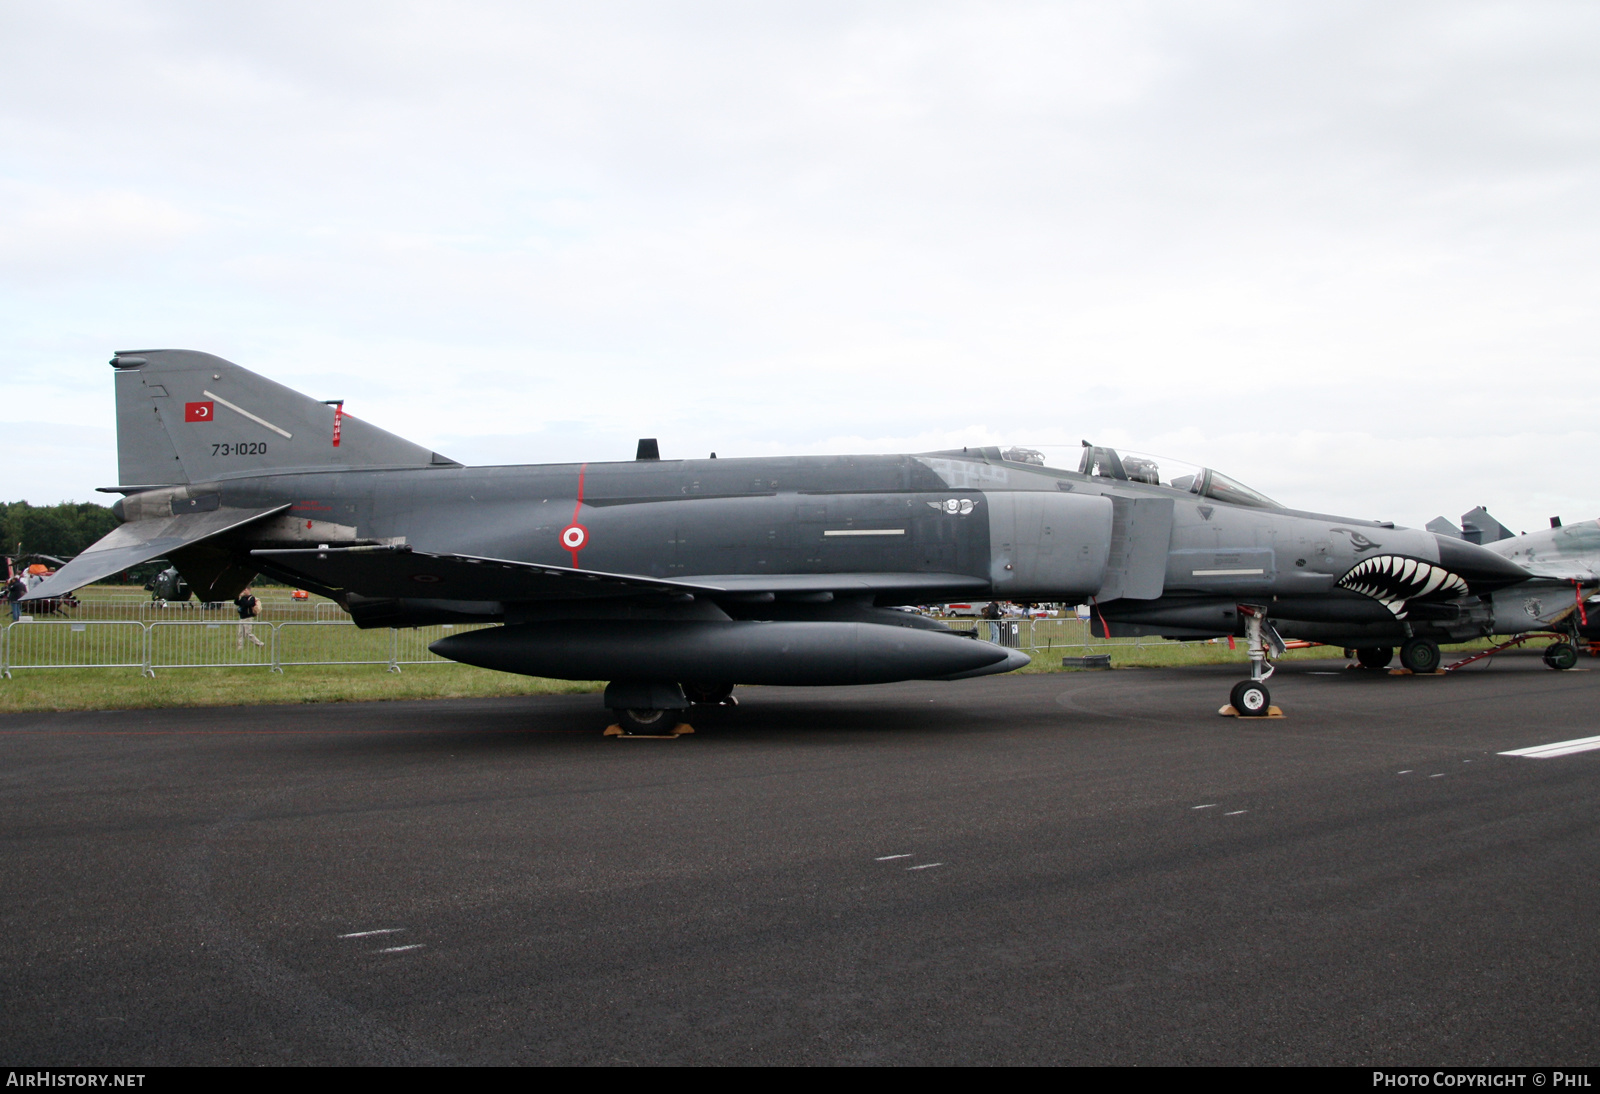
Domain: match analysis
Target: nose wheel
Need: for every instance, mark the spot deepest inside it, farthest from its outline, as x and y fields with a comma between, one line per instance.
x=1560, y=656
x=1250, y=699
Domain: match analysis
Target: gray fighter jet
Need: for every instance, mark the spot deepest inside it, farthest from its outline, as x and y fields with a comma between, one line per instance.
x=677, y=579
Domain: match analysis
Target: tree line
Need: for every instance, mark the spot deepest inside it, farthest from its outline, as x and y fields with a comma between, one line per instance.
x=60, y=530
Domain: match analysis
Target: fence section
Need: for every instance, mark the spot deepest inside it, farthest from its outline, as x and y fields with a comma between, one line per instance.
x=203, y=644
x=411, y=646
x=143, y=609
x=69, y=645
x=334, y=643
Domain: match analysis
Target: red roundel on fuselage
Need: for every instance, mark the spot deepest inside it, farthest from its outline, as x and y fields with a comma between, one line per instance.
x=574, y=536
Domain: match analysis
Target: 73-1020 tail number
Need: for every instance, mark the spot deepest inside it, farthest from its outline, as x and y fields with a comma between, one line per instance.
x=241, y=448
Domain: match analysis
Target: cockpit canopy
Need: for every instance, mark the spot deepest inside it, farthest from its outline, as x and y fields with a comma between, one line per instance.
x=1106, y=463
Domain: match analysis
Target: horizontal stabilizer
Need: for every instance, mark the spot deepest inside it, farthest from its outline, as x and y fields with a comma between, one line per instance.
x=142, y=540
x=398, y=571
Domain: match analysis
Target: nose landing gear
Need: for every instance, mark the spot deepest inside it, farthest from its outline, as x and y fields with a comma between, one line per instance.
x=1250, y=698
x=1560, y=656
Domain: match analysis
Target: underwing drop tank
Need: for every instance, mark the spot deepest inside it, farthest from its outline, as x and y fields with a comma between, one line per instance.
x=772, y=653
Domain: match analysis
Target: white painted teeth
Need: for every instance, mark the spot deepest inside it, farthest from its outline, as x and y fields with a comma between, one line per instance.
x=1392, y=581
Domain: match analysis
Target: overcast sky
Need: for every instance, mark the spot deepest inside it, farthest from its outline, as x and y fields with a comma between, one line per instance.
x=1347, y=253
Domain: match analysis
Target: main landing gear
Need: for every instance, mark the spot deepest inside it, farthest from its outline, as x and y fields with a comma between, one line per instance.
x=1374, y=657
x=710, y=695
x=1250, y=698
x=1420, y=655
x=655, y=710
x=645, y=709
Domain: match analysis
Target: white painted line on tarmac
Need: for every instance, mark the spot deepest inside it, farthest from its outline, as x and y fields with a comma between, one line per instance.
x=1407, y=771
x=369, y=934
x=1559, y=748
x=1440, y=775
x=886, y=858
x=401, y=949
x=1236, y=812
x=925, y=866
x=1213, y=805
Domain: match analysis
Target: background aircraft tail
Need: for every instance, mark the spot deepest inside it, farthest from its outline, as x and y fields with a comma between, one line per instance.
x=185, y=417
x=1476, y=527
x=1479, y=527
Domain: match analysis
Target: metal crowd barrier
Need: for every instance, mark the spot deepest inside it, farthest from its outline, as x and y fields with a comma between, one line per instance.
x=69, y=645
x=311, y=643
x=213, y=643
x=120, y=608
x=207, y=644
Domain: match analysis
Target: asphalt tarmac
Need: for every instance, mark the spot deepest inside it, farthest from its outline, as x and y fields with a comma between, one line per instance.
x=1082, y=868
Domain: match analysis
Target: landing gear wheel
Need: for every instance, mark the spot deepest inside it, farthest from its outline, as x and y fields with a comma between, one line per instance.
x=710, y=694
x=1420, y=655
x=1375, y=657
x=1560, y=656
x=1250, y=699
x=646, y=722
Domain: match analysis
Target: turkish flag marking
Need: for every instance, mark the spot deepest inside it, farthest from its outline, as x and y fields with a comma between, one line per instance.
x=199, y=412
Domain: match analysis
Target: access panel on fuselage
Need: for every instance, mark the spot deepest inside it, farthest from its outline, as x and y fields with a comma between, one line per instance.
x=1047, y=545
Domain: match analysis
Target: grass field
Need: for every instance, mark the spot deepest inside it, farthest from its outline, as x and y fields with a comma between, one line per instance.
x=125, y=689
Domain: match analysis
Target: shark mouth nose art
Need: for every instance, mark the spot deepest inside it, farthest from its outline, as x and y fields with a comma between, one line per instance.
x=1392, y=581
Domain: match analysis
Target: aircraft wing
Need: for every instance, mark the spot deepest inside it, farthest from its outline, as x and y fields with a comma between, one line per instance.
x=142, y=540
x=1585, y=571
x=400, y=572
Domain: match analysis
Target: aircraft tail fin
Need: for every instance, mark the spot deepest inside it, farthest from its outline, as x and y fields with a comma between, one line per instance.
x=1439, y=526
x=185, y=417
x=1479, y=527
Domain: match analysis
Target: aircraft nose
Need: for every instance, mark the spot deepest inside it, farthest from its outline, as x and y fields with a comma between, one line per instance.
x=1483, y=571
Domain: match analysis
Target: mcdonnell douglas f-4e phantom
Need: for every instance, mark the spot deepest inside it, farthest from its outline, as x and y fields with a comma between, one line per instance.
x=677, y=579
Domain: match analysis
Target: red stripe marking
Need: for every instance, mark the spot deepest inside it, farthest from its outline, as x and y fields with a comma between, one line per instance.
x=580, y=534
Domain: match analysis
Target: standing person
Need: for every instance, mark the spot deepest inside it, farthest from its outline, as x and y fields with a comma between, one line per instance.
x=16, y=589
x=991, y=612
x=249, y=607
